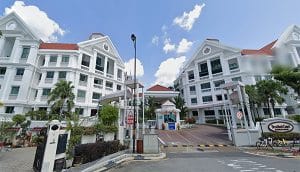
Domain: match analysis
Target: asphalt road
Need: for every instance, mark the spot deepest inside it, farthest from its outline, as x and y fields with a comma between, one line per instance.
x=212, y=162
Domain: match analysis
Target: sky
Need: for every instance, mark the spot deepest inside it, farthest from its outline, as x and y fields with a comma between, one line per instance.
x=168, y=32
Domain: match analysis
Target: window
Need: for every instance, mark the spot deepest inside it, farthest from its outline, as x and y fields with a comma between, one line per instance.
x=205, y=86
x=79, y=111
x=53, y=58
x=109, y=84
x=81, y=94
x=194, y=100
x=2, y=70
x=219, y=83
x=233, y=64
x=216, y=66
x=237, y=79
x=9, y=109
x=98, y=81
x=20, y=71
x=25, y=52
x=119, y=74
x=192, y=88
x=191, y=75
x=119, y=87
x=62, y=74
x=43, y=109
x=96, y=95
x=85, y=60
x=100, y=62
x=50, y=75
x=8, y=46
x=83, y=78
x=209, y=113
x=219, y=97
x=65, y=59
x=93, y=112
x=14, y=90
x=203, y=69
x=257, y=78
x=195, y=113
x=225, y=97
x=46, y=91
x=207, y=99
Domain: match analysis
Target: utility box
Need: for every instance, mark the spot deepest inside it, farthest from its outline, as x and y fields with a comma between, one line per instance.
x=140, y=145
x=151, y=144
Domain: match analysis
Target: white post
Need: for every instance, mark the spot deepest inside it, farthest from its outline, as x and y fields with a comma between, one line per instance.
x=246, y=100
x=143, y=110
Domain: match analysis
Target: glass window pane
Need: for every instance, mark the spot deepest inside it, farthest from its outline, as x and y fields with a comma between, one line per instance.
x=216, y=66
x=203, y=69
x=46, y=91
x=15, y=90
x=81, y=93
x=85, y=60
x=53, y=58
x=25, y=52
x=65, y=58
x=233, y=64
x=50, y=74
x=2, y=70
x=62, y=74
x=20, y=71
x=205, y=85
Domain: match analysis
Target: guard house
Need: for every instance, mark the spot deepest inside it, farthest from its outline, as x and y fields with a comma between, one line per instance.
x=167, y=118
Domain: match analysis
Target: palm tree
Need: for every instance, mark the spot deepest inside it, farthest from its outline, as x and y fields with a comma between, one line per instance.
x=254, y=98
x=180, y=104
x=289, y=76
x=61, y=94
x=269, y=91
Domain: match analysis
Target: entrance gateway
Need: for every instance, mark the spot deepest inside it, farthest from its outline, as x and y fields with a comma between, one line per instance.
x=168, y=118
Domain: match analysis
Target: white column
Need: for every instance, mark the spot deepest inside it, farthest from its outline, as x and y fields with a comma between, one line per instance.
x=246, y=99
x=105, y=66
x=209, y=68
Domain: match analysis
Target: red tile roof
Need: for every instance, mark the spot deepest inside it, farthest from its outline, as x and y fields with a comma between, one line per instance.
x=266, y=50
x=158, y=88
x=58, y=46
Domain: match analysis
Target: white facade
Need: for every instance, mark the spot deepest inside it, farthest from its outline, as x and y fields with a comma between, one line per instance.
x=30, y=68
x=214, y=64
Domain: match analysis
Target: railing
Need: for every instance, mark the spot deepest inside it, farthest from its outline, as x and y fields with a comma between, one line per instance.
x=204, y=77
x=218, y=74
x=205, y=90
x=84, y=67
x=234, y=70
x=192, y=80
x=18, y=77
x=217, y=88
x=48, y=80
x=82, y=83
x=99, y=72
x=109, y=75
x=98, y=86
x=109, y=88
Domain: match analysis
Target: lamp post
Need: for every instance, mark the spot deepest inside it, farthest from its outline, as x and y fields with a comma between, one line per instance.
x=133, y=38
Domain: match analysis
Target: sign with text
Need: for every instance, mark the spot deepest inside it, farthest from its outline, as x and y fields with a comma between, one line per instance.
x=239, y=115
x=281, y=127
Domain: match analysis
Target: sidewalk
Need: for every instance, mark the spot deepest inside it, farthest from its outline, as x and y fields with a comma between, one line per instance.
x=276, y=152
x=113, y=160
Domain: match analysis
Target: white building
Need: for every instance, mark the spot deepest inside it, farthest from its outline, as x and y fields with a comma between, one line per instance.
x=214, y=64
x=29, y=69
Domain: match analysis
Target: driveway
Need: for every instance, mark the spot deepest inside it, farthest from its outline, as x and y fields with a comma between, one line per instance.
x=198, y=135
x=17, y=160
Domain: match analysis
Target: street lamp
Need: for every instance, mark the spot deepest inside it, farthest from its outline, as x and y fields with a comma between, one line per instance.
x=133, y=38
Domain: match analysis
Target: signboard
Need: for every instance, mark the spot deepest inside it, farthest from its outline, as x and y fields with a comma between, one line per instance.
x=130, y=117
x=280, y=127
x=239, y=115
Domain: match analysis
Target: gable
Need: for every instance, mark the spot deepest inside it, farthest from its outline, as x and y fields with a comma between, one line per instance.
x=13, y=24
x=292, y=33
x=102, y=44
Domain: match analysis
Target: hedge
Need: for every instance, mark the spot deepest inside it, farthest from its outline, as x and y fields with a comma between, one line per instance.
x=92, y=151
x=286, y=136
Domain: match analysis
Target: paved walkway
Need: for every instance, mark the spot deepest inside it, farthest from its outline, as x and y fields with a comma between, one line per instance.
x=198, y=135
x=17, y=160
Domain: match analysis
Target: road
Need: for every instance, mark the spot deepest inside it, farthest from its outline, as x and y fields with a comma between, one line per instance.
x=212, y=162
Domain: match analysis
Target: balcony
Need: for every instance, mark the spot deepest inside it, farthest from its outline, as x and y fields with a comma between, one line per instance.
x=109, y=75
x=18, y=77
x=205, y=90
x=98, y=86
x=48, y=80
x=82, y=83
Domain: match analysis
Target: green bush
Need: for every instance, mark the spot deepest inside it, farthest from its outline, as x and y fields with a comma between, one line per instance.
x=93, y=151
x=295, y=118
x=286, y=136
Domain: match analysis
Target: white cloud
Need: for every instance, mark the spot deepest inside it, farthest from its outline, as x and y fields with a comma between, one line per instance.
x=129, y=68
x=187, y=20
x=168, y=70
x=155, y=40
x=168, y=46
x=39, y=22
x=184, y=46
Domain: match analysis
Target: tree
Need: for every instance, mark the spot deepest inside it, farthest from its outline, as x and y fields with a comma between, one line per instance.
x=289, y=76
x=61, y=94
x=18, y=119
x=37, y=115
x=107, y=120
x=73, y=125
x=151, y=106
x=1, y=104
x=180, y=104
x=254, y=98
x=269, y=91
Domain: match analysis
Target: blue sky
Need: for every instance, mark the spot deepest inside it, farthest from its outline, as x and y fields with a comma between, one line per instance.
x=242, y=24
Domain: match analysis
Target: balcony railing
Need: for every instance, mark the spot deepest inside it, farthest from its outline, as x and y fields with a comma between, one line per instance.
x=109, y=75
x=84, y=67
x=192, y=80
x=217, y=88
x=234, y=70
x=18, y=77
x=48, y=80
x=109, y=88
x=205, y=90
x=218, y=74
x=98, y=86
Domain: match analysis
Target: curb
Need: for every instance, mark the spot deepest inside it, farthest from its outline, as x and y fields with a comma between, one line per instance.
x=123, y=158
x=272, y=155
x=201, y=145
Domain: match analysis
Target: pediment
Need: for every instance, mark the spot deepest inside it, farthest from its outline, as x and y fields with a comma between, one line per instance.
x=13, y=24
